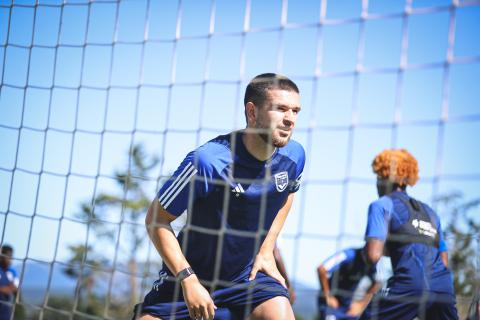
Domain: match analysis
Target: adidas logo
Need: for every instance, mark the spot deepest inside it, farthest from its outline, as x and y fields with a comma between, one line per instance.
x=238, y=189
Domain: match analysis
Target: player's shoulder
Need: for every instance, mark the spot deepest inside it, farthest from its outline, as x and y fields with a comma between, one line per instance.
x=214, y=152
x=382, y=203
x=332, y=262
x=294, y=150
x=351, y=253
x=12, y=271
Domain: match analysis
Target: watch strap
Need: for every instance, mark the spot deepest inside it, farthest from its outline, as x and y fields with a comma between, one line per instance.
x=188, y=271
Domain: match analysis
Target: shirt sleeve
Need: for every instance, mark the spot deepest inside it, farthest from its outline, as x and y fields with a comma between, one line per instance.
x=442, y=245
x=378, y=221
x=295, y=184
x=334, y=262
x=188, y=183
x=13, y=277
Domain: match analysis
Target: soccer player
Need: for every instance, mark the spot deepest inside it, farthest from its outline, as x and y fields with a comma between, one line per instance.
x=340, y=276
x=8, y=282
x=409, y=231
x=237, y=189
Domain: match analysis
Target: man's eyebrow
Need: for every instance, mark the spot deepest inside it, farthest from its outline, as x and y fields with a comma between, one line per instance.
x=281, y=105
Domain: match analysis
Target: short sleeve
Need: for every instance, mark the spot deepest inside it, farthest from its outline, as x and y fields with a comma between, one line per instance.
x=12, y=277
x=189, y=180
x=442, y=245
x=334, y=262
x=295, y=184
x=378, y=220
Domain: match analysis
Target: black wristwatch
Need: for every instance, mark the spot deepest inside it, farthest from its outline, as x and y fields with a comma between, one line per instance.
x=185, y=273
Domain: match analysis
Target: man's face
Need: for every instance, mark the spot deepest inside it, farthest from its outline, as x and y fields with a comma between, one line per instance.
x=6, y=259
x=278, y=116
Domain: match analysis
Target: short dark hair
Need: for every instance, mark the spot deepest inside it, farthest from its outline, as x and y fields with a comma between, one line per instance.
x=6, y=248
x=256, y=91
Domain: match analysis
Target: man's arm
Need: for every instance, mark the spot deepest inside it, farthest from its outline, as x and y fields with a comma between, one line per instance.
x=374, y=250
x=356, y=307
x=197, y=298
x=444, y=256
x=283, y=271
x=265, y=261
x=8, y=289
x=442, y=244
x=323, y=279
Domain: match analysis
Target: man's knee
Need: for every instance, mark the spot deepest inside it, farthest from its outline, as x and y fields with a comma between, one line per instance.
x=275, y=308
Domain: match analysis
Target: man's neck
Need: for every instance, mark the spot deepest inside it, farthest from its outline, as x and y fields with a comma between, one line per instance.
x=256, y=146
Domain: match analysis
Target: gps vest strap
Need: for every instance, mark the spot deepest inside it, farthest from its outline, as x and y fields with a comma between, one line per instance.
x=419, y=227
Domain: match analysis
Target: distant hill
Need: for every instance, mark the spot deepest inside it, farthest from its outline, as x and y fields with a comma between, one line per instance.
x=34, y=285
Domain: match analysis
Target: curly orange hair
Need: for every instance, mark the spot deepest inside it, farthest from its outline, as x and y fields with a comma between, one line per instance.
x=396, y=165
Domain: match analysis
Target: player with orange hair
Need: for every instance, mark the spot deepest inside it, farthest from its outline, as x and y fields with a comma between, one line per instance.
x=409, y=231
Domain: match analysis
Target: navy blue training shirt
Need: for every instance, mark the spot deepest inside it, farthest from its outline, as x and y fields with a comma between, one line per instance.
x=222, y=180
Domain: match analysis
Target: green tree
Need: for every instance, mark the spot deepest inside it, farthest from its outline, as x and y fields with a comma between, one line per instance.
x=131, y=202
x=462, y=230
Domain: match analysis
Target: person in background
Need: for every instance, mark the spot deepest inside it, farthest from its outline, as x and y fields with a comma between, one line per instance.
x=340, y=276
x=8, y=282
x=408, y=231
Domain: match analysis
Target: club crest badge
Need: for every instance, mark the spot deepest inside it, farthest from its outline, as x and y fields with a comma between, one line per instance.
x=281, y=181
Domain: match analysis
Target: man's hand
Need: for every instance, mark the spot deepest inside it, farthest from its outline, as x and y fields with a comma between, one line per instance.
x=355, y=309
x=265, y=262
x=332, y=302
x=200, y=304
x=8, y=289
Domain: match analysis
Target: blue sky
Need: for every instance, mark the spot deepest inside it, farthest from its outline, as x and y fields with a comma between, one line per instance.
x=74, y=96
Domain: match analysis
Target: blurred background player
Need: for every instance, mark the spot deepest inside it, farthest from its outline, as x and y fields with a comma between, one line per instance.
x=409, y=231
x=8, y=282
x=340, y=277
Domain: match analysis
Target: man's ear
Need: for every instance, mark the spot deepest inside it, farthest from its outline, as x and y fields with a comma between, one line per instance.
x=251, y=112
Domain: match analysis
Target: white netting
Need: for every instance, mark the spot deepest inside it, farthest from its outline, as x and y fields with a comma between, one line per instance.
x=83, y=83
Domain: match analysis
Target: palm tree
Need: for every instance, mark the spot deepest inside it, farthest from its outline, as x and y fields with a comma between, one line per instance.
x=130, y=204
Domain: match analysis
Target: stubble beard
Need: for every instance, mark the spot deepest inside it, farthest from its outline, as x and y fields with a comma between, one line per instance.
x=273, y=138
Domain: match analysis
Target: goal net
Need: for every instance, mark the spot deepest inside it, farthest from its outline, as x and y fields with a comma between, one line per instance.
x=101, y=100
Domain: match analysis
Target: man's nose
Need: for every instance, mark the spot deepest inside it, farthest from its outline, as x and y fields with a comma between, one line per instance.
x=289, y=117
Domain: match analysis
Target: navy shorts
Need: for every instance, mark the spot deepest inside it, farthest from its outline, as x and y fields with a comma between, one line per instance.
x=430, y=306
x=240, y=298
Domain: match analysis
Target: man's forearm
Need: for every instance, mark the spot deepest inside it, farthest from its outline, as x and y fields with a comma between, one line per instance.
x=444, y=256
x=163, y=238
x=370, y=293
x=8, y=289
x=268, y=244
x=374, y=250
x=322, y=277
